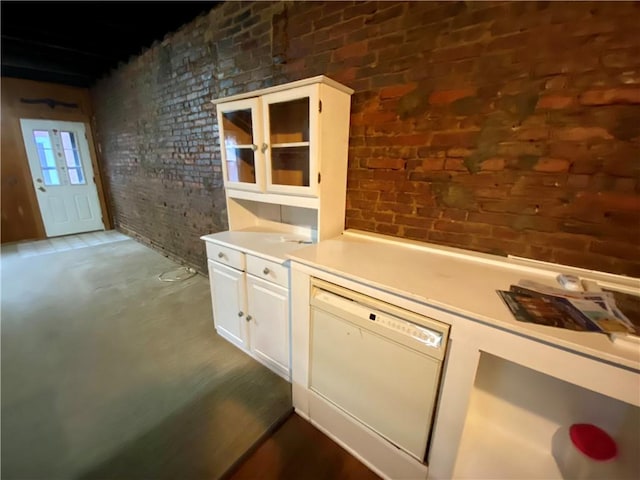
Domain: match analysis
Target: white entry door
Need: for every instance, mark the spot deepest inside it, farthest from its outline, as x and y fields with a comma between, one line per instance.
x=62, y=174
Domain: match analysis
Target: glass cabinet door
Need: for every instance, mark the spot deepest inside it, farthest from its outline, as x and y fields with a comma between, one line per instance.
x=289, y=151
x=240, y=136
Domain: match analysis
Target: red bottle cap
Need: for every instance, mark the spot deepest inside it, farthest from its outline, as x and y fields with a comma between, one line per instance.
x=594, y=442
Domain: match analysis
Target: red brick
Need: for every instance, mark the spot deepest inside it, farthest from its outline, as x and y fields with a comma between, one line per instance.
x=433, y=164
x=533, y=133
x=578, y=134
x=456, y=164
x=617, y=249
x=396, y=91
x=492, y=164
x=457, y=53
x=387, y=229
x=349, y=51
x=455, y=214
x=556, y=83
x=552, y=165
x=463, y=227
x=458, y=152
x=444, y=97
x=458, y=138
x=451, y=238
x=387, y=163
x=505, y=233
x=556, y=102
x=611, y=96
x=611, y=201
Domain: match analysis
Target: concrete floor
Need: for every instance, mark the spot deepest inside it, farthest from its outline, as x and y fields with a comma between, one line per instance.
x=108, y=372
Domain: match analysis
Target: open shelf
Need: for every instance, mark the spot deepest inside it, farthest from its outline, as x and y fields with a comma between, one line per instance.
x=514, y=413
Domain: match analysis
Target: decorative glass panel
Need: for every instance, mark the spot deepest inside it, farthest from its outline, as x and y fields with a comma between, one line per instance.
x=46, y=157
x=238, y=129
x=290, y=166
x=72, y=158
x=240, y=165
x=289, y=122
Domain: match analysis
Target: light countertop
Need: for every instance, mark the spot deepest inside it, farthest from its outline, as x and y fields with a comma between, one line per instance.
x=455, y=280
x=272, y=245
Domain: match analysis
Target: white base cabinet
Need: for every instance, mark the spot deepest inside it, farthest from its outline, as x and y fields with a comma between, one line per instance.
x=229, y=299
x=269, y=324
x=253, y=312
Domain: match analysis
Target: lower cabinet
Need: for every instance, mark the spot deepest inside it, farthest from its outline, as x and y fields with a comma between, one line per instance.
x=269, y=323
x=253, y=314
x=229, y=299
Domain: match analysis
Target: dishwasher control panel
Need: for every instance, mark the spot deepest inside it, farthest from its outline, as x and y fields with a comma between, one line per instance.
x=424, y=335
x=401, y=325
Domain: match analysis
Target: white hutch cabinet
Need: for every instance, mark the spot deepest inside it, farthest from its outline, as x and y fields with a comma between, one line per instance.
x=284, y=161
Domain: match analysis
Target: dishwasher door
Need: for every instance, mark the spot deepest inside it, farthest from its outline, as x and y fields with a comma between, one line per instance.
x=370, y=364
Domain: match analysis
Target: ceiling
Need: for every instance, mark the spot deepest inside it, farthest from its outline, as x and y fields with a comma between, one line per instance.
x=76, y=43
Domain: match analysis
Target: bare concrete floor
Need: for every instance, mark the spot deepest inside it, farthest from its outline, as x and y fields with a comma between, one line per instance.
x=108, y=372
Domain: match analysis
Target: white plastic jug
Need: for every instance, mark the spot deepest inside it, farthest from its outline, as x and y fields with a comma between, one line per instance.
x=584, y=451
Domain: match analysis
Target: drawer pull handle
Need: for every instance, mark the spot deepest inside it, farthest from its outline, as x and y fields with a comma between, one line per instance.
x=220, y=255
x=240, y=314
x=266, y=271
x=249, y=317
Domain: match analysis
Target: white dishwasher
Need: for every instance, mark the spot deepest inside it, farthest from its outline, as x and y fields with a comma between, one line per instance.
x=378, y=363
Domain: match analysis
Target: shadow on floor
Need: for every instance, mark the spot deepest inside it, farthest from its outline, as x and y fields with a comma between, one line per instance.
x=107, y=371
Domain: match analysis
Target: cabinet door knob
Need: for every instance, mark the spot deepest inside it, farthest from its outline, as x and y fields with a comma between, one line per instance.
x=240, y=314
x=266, y=271
x=249, y=317
x=42, y=189
x=254, y=147
x=264, y=147
x=220, y=255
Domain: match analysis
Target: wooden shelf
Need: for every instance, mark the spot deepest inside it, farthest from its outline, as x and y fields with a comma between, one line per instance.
x=290, y=145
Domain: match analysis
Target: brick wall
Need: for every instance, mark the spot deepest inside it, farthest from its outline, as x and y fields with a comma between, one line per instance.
x=509, y=128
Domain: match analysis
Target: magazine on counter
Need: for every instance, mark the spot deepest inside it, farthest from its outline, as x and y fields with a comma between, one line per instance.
x=581, y=311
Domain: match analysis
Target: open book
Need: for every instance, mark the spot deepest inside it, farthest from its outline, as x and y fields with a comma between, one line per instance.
x=581, y=311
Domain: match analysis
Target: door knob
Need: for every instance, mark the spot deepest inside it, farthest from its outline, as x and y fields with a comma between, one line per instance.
x=39, y=180
x=249, y=317
x=254, y=147
x=240, y=314
x=264, y=147
x=42, y=189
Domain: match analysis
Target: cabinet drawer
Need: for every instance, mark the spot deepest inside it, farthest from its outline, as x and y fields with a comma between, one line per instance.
x=225, y=255
x=271, y=271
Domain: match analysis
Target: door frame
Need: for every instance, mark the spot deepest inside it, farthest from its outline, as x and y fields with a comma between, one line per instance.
x=97, y=172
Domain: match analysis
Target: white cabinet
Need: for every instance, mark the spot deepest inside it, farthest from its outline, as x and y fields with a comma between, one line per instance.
x=284, y=163
x=267, y=142
x=269, y=323
x=251, y=311
x=284, y=156
x=229, y=298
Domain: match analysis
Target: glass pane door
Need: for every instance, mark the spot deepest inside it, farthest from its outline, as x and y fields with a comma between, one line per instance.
x=240, y=137
x=289, y=142
x=239, y=147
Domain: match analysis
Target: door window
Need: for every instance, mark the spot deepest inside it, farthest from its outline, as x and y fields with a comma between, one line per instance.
x=72, y=158
x=289, y=134
x=239, y=148
x=47, y=157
